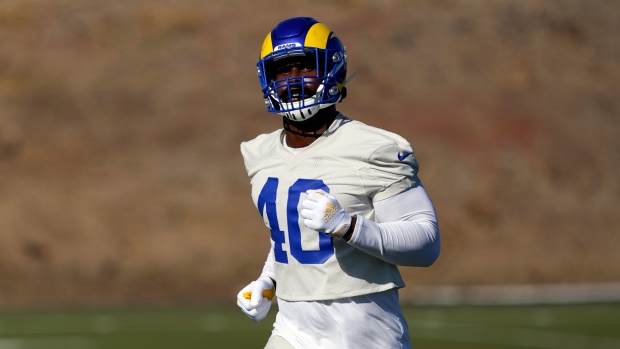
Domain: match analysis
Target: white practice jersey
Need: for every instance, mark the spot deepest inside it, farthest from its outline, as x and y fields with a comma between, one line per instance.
x=359, y=165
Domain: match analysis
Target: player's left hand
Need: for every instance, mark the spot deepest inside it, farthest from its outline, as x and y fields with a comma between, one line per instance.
x=322, y=212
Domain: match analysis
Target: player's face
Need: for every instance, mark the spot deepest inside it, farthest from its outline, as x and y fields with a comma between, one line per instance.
x=297, y=70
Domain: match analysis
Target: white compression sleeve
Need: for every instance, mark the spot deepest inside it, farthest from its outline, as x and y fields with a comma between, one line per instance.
x=268, y=269
x=408, y=233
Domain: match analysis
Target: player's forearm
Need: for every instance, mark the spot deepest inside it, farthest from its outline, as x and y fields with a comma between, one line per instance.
x=268, y=268
x=408, y=233
x=408, y=243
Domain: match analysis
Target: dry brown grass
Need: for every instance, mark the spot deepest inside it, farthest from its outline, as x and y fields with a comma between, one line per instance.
x=120, y=121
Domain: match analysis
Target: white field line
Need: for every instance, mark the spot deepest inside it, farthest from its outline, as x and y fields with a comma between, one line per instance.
x=11, y=344
x=108, y=324
x=578, y=293
x=48, y=343
x=512, y=336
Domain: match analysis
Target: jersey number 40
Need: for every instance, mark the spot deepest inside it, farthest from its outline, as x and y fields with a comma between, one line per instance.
x=267, y=203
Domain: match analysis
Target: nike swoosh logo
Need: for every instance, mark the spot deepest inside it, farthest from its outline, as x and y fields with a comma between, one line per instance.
x=402, y=156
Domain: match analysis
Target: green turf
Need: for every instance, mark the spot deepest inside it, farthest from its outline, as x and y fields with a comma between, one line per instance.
x=566, y=327
x=594, y=326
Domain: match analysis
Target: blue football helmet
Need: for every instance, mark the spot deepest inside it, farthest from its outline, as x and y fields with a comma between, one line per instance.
x=302, y=36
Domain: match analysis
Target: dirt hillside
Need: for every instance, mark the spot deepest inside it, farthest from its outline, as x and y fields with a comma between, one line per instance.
x=121, y=179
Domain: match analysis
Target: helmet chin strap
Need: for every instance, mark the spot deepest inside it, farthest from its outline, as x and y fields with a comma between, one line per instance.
x=309, y=128
x=307, y=113
x=297, y=111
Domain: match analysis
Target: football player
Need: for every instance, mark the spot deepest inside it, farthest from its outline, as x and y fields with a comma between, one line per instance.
x=342, y=200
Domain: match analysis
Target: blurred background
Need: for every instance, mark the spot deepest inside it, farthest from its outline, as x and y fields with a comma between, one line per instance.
x=121, y=180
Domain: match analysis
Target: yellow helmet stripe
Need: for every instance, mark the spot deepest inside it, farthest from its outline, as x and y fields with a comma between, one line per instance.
x=317, y=36
x=267, y=47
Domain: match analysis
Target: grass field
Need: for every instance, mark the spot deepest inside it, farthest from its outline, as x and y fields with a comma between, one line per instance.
x=566, y=327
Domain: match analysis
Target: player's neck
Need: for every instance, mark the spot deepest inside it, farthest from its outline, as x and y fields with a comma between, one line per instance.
x=302, y=134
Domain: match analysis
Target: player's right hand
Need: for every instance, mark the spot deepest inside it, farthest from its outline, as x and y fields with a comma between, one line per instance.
x=257, y=306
